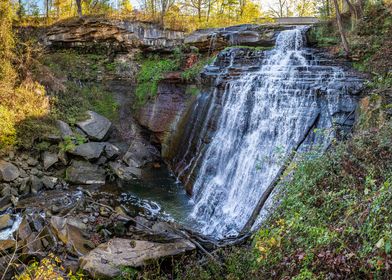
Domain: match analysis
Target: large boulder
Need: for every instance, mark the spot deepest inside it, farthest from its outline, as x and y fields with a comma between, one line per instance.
x=111, y=151
x=64, y=128
x=140, y=153
x=8, y=171
x=70, y=231
x=49, y=159
x=96, y=126
x=89, y=151
x=107, y=259
x=83, y=172
x=124, y=172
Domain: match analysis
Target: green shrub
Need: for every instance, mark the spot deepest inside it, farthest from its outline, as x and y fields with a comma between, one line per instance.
x=193, y=72
x=334, y=204
x=151, y=72
x=7, y=128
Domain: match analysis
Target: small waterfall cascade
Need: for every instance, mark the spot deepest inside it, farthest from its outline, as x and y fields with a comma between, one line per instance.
x=288, y=98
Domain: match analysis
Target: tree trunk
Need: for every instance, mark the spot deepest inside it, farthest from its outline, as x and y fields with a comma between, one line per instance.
x=341, y=30
x=79, y=5
x=208, y=10
x=353, y=12
x=260, y=204
x=20, y=10
x=47, y=10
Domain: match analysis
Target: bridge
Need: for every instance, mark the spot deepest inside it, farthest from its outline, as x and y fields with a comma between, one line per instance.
x=296, y=20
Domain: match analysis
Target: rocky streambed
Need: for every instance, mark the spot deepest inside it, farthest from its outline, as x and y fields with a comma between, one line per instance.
x=71, y=200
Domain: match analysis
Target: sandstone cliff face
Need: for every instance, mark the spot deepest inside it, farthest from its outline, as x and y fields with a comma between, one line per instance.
x=162, y=114
x=121, y=35
x=124, y=35
x=241, y=35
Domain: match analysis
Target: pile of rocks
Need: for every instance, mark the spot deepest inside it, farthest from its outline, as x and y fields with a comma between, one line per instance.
x=72, y=161
x=88, y=231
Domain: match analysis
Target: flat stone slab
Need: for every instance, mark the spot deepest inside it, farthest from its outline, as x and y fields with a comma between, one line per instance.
x=107, y=259
x=96, y=126
x=89, y=151
x=83, y=172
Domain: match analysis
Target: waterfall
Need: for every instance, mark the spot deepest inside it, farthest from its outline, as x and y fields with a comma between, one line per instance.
x=263, y=115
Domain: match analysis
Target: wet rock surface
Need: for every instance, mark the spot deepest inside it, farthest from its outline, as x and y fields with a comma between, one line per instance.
x=140, y=153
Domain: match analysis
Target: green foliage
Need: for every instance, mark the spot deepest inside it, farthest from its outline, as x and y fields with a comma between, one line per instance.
x=381, y=81
x=20, y=98
x=82, y=90
x=127, y=273
x=69, y=143
x=30, y=130
x=193, y=72
x=151, y=72
x=334, y=205
x=192, y=90
x=323, y=35
x=7, y=128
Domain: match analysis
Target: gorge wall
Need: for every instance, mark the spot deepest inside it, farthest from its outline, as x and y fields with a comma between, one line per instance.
x=256, y=107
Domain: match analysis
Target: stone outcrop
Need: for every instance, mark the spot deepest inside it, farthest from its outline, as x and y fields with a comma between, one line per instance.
x=115, y=34
x=161, y=114
x=124, y=172
x=64, y=128
x=107, y=259
x=125, y=35
x=49, y=159
x=241, y=35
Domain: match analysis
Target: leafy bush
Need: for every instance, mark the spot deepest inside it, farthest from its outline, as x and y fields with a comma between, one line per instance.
x=7, y=128
x=82, y=89
x=193, y=72
x=335, y=205
x=151, y=72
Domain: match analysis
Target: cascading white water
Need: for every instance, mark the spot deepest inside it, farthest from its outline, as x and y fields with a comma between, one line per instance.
x=264, y=115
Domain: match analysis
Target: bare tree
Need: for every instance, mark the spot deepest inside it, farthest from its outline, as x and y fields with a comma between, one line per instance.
x=198, y=5
x=164, y=6
x=79, y=5
x=341, y=30
x=280, y=11
x=20, y=10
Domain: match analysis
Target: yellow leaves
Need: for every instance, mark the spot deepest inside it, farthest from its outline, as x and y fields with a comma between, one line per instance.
x=265, y=246
x=49, y=268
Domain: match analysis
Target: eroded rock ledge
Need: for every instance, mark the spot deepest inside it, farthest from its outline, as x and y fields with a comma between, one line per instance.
x=124, y=35
x=116, y=34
